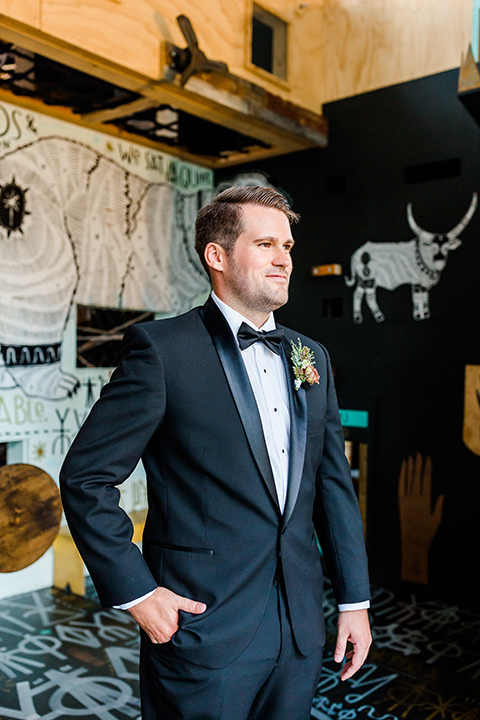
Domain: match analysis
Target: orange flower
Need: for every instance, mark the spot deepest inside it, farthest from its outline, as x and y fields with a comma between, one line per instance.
x=311, y=375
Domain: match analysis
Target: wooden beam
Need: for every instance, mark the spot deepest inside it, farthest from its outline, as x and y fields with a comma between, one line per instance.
x=257, y=95
x=120, y=111
x=61, y=113
x=254, y=154
x=67, y=115
x=230, y=102
x=249, y=118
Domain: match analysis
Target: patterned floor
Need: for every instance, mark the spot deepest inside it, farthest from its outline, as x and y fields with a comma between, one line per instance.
x=424, y=665
x=63, y=656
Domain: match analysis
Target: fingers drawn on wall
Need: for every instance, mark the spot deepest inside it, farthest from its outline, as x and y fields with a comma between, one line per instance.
x=471, y=415
x=77, y=226
x=418, y=262
x=418, y=521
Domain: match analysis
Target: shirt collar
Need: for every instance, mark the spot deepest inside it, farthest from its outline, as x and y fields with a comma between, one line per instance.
x=235, y=319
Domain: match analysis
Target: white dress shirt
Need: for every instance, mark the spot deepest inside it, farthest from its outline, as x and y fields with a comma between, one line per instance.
x=266, y=372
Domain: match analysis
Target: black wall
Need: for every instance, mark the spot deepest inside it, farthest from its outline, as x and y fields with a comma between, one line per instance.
x=409, y=374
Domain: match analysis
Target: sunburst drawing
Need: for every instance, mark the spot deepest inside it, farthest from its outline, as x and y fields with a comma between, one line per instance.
x=12, y=206
x=39, y=451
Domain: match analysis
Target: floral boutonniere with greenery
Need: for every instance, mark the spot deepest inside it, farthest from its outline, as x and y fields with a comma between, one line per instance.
x=303, y=361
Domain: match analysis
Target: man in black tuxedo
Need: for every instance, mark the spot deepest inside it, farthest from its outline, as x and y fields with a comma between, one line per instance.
x=245, y=465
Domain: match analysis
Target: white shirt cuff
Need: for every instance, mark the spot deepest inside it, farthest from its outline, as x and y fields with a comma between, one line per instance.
x=344, y=607
x=354, y=606
x=132, y=603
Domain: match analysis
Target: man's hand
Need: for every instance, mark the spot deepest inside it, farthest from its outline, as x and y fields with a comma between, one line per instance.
x=353, y=627
x=158, y=614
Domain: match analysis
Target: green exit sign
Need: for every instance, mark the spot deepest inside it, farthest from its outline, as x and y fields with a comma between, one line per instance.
x=354, y=418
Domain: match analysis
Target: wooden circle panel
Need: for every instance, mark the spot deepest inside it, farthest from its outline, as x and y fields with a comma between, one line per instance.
x=30, y=515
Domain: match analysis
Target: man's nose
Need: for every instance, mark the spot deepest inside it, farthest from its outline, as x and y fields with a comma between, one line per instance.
x=282, y=257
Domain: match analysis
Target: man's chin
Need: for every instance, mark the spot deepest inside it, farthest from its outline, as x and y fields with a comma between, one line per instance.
x=279, y=301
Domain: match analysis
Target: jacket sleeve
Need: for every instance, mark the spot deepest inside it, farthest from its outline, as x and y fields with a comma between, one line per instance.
x=103, y=455
x=337, y=518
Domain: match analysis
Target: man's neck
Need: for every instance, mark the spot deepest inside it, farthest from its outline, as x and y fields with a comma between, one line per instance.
x=257, y=318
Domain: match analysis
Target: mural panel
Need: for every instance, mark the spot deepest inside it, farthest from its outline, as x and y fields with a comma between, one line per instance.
x=91, y=220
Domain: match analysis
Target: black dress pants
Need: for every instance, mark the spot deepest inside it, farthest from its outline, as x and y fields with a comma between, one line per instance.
x=270, y=680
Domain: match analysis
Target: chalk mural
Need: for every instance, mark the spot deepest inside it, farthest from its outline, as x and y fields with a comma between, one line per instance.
x=92, y=220
x=85, y=219
x=88, y=220
x=418, y=262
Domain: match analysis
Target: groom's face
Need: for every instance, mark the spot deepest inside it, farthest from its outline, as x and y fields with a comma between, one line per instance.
x=257, y=271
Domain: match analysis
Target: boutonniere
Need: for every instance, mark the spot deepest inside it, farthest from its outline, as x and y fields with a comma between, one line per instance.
x=303, y=361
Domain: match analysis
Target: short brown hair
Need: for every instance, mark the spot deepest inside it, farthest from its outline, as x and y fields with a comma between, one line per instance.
x=221, y=221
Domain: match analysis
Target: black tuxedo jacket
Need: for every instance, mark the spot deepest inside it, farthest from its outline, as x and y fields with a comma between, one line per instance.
x=181, y=400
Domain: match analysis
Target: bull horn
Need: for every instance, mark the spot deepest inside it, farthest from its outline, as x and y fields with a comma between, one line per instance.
x=465, y=220
x=412, y=222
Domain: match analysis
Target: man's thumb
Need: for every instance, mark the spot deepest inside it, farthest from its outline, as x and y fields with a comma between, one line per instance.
x=340, y=648
x=192, y=607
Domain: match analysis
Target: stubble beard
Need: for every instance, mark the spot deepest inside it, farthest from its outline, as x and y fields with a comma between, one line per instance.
x=258, y=300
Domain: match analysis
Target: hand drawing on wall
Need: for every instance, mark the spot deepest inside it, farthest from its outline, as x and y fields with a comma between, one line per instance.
x=471, y=414
x=418, y=263
x=418, y=522
x=76, y=226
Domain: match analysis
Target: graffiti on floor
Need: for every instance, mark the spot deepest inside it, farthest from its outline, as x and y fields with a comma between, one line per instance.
x=62, y=655
x=424, y=664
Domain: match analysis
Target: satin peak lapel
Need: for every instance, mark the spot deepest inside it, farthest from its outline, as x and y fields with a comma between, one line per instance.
x=298, y=433
x=237, y=377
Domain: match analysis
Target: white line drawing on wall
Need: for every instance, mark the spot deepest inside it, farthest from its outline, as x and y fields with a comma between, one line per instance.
x=245, y=179
x=418, y=262
x=76, y=226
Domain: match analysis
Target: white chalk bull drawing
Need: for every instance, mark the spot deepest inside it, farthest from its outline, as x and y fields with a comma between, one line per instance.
x=418, y=262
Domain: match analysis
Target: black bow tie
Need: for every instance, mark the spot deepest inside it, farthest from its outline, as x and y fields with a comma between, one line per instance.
x=247, y=336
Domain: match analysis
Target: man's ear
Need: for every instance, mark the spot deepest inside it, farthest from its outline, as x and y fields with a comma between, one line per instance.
x=215, y=256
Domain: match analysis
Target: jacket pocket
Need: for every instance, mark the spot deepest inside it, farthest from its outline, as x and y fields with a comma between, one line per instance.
x=182, y=548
